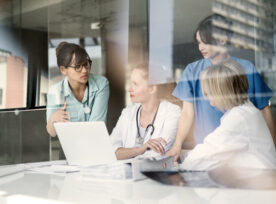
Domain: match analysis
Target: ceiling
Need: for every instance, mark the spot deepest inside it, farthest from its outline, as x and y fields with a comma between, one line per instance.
x=73, y=18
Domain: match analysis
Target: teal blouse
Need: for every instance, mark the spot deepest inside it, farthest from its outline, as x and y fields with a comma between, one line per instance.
x=98, y=100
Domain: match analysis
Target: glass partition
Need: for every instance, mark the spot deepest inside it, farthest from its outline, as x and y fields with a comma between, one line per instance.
x=101, y=28
x=250, y=32
x=117, y=35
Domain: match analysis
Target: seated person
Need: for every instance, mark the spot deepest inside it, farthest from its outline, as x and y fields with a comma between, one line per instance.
x=243, y=138
x=150, y=124
x=198, y=115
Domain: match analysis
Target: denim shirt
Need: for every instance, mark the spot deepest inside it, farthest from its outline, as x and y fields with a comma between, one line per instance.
x=97, y=102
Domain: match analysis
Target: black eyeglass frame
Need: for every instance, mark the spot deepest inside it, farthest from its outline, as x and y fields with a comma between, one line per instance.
x=78, y=68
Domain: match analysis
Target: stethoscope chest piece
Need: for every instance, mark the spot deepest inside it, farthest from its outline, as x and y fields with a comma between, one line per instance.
x=139, y=140
x=86, y=109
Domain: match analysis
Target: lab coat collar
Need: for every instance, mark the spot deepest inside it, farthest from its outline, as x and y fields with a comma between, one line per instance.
x=248, y=103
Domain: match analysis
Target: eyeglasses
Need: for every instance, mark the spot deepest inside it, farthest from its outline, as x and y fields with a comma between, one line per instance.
x=86, y=65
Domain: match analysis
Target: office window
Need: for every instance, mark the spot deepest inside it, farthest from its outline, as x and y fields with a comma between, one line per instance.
x=14, y=58
x=118, y=35
x=13, y=79
x=1, y=96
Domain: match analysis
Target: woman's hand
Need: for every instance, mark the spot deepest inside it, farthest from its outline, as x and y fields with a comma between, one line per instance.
x=156, y=145
x=60, y=115
x=174, y=152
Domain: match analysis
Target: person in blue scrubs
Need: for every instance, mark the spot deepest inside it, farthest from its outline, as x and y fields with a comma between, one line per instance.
x=80, y=96
x=196, y=109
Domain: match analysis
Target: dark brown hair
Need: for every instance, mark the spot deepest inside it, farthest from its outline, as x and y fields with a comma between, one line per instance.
x=206, y=28
x=65, y=52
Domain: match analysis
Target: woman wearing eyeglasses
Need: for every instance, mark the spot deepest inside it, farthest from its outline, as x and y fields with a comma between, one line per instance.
x=149, y=126
x=80, y=96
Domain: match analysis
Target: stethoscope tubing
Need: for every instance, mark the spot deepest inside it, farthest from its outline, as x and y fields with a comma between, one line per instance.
x=86, y=108
x=148, y=126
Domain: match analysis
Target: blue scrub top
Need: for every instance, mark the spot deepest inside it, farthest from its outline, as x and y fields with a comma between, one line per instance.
x=207, y=117
x=98, y=99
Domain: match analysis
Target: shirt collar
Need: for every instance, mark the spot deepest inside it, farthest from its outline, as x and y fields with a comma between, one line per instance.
x=209, y=63
x=67, y=89
x=93, y=87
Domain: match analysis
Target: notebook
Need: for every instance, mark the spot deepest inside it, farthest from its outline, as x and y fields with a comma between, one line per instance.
x=85, y=143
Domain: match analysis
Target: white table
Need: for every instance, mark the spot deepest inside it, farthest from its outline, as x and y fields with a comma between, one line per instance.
x=29, y=187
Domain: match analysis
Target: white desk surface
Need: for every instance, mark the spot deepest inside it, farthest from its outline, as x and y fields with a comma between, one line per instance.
x=29, y=187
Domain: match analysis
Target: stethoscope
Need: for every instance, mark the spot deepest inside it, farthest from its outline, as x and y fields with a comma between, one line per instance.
x=139, y=138
x=86, y=108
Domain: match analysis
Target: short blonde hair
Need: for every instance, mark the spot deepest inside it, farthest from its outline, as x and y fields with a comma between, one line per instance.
x=143, y=67
x=226, y=84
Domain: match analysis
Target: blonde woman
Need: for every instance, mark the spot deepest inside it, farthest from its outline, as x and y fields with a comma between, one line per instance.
x=197, y=114
x=243, y=137
x=149, y=126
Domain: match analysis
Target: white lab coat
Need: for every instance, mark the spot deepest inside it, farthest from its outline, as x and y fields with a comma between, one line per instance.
x=166, y=125
x=242, y=139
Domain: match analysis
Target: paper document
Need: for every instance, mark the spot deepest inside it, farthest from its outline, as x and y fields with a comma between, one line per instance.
x=153, y=157
x=55, y=169
x=156, y=164
x=113, y=171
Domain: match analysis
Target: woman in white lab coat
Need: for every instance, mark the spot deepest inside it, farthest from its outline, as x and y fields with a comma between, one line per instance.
x=148, y=127
x=243, y=138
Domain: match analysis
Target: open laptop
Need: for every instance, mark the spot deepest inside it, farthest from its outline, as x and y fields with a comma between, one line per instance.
x=85, y=143
x=88, y=144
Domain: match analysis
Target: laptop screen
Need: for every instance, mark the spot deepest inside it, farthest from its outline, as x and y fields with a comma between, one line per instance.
x=85, y=143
